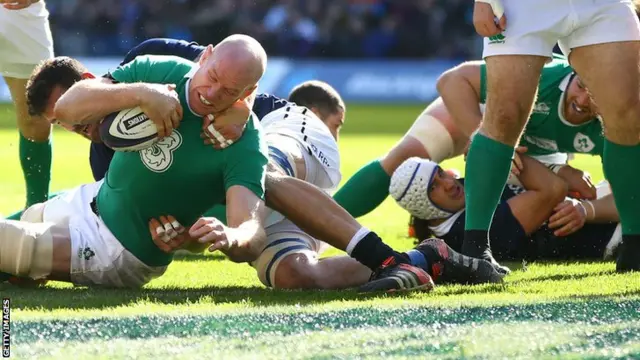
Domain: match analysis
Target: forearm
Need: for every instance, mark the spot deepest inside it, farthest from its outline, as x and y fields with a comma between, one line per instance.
x=89, y=101
x=602, y=210
x=535, y=176
x=462, y=102
x=293, y=198
x=544, y=192
x=250, y=238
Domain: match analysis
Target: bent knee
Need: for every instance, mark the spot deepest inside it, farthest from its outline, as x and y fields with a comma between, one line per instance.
x=297, y=271
x=505, y=122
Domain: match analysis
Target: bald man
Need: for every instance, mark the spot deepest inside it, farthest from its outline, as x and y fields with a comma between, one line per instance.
x=97, y=234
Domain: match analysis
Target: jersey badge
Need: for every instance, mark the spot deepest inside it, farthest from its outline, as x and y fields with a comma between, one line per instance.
x=159, y=156
x=582, y=143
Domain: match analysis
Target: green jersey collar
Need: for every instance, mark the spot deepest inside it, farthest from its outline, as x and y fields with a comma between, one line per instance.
x=189, y=76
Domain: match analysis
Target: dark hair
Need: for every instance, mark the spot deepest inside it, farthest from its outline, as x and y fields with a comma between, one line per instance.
x=421, y=229
x=319, y=95
x=60, y=71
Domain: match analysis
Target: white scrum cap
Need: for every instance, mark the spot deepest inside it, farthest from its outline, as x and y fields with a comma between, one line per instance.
x=410, y=188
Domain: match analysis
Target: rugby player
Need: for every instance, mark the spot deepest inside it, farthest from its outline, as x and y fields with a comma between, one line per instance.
x=564, y=121
x=520, y=228
x=602, y=41
x=25, y=40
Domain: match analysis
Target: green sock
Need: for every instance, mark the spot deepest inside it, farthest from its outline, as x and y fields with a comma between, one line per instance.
x=487, y=169
x=219, y=212
x=365, y=190
x=35, y=158
x=623, y=176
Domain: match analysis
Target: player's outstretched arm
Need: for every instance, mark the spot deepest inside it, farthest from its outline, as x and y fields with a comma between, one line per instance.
x=244, y=237
x=293, y=198
x=460, y=90
x=88, y=101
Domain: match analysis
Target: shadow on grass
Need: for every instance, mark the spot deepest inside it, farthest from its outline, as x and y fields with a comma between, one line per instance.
x=82, y=298
x=186, y=256
x=98, y=298
x=559, y=277
x=420, y=323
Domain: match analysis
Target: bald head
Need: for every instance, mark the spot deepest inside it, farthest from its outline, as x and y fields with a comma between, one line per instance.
x=228, y=72
x=244, y=54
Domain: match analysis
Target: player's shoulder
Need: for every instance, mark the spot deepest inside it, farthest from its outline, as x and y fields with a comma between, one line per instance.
x=154, y=69
x=163, y=60
x=267, y=103
x=556, y=69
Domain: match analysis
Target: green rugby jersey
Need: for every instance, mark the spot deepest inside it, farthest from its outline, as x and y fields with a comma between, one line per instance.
x=179, y=175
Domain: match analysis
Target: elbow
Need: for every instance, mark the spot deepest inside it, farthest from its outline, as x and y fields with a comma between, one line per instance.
x=63, y=111
x=68, y=111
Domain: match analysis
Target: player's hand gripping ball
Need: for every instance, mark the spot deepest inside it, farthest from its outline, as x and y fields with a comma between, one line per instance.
x=138, y=128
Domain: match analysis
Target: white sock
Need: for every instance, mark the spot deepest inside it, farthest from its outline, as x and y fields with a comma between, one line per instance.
x=361, y=233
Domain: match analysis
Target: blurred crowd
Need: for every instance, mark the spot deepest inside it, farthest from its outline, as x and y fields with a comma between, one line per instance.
x=292, y=28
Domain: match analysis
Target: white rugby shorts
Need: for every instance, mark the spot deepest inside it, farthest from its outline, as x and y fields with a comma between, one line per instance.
x=25, y=40
x=535, y=26
x=97, y=257
x=286, y=144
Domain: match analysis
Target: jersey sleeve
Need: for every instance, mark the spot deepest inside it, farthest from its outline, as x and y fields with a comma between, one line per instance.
x=161, y=46
x=246, y=161
x=153, y=69
x=266, y=103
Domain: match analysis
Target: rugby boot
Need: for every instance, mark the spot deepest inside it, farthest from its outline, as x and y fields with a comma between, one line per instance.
x=448, y=266
x=629, y=255
x=394, y=276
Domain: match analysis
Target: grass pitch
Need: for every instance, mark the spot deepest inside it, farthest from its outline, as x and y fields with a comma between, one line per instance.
x=208, y=307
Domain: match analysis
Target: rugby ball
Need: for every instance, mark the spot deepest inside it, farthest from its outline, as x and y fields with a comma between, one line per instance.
x=128, y=130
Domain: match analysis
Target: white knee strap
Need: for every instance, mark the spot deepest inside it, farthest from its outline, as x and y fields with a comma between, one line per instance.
x=26, y=249
x=433, y=136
